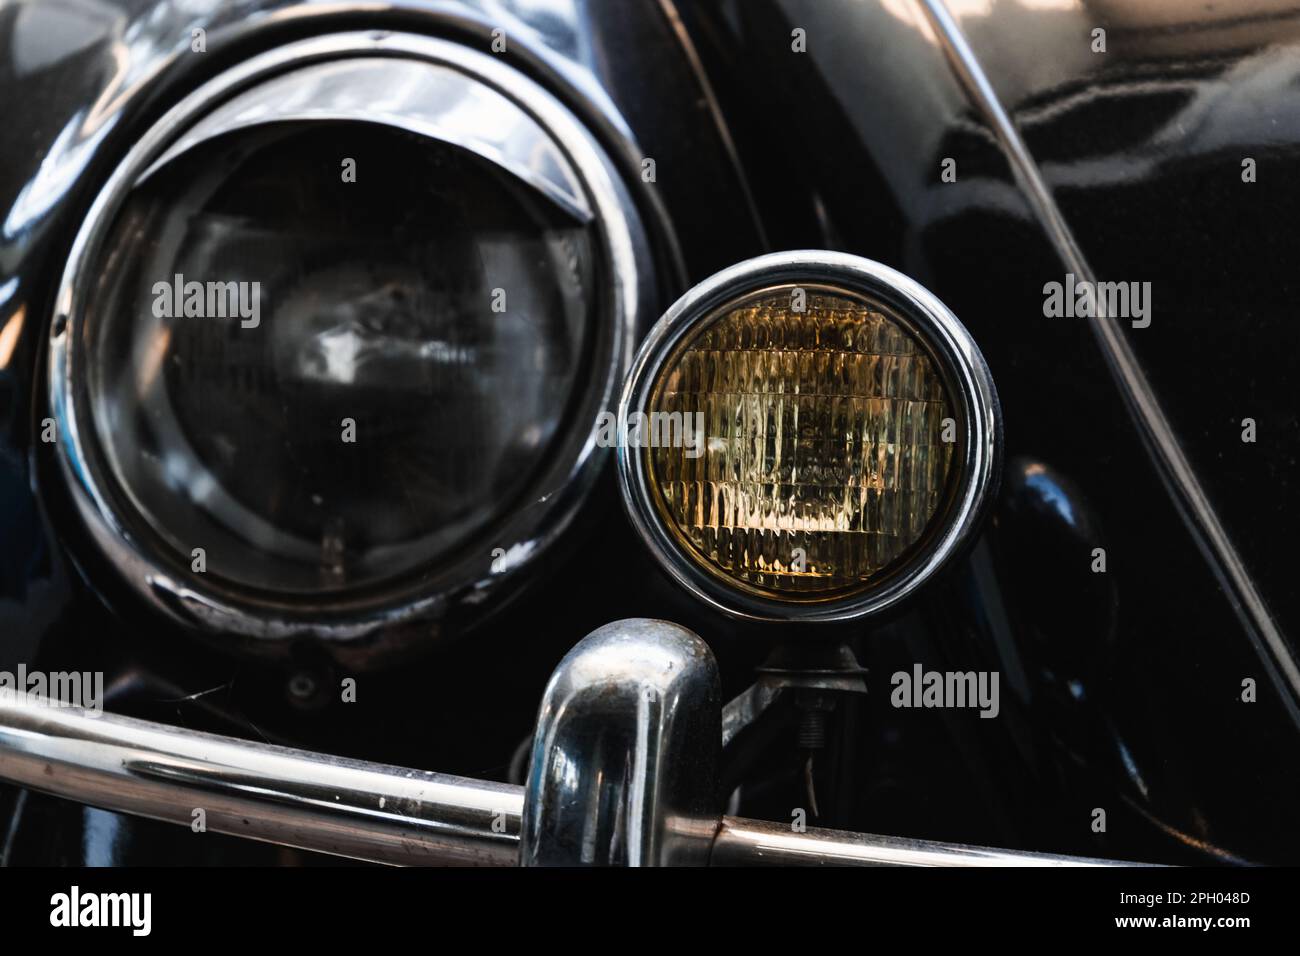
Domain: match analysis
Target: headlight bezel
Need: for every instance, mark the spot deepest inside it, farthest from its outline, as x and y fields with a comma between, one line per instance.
x=627, y=286
x=966, y=379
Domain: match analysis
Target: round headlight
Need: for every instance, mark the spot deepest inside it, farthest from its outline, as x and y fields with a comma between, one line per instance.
x=366, y=413
x=809, y=435
x=333, y=337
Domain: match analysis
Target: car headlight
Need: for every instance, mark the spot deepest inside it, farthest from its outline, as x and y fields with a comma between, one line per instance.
x=809, y=436
x=334, y=336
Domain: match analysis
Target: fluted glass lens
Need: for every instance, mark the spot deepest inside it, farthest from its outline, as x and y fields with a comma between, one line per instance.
x=380, y=403
x=824, y=456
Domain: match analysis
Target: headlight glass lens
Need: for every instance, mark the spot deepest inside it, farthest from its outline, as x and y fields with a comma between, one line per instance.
x=436, y=303
x=823, y=462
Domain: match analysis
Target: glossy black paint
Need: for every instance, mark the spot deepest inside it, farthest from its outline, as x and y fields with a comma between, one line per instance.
x=1166, y=652
x=1120, y=691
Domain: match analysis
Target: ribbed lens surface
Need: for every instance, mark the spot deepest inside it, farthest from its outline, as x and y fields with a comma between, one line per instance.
x=823, y=460
x=380, y=414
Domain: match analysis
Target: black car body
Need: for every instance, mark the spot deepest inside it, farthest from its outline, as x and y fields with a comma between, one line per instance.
x=1122, y=690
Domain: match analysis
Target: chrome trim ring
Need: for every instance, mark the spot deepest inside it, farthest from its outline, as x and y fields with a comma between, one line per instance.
x=431, y=100
x=965, y=375
x=578, y=174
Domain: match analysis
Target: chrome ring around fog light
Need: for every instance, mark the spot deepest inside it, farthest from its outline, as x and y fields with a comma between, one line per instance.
x=965, y=378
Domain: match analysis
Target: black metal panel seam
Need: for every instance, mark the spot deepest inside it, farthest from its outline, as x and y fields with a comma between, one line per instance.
x=1158, y=436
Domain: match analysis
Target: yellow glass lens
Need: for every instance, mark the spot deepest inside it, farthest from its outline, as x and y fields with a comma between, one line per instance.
x=823, y=457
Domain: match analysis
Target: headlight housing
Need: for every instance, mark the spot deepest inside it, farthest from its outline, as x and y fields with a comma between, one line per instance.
x=363, y=395
x=848, y=431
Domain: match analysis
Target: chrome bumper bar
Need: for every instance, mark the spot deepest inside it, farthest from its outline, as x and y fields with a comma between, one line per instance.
x=366, y=811
x=620, y=775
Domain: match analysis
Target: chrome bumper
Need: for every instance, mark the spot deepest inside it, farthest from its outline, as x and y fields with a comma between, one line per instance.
x=623, y=772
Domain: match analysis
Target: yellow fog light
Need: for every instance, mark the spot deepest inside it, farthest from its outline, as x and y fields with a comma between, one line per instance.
x=824, y=460
x=813, y=435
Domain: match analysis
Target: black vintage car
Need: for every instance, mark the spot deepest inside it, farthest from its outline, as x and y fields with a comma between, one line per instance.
x=719, y=432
